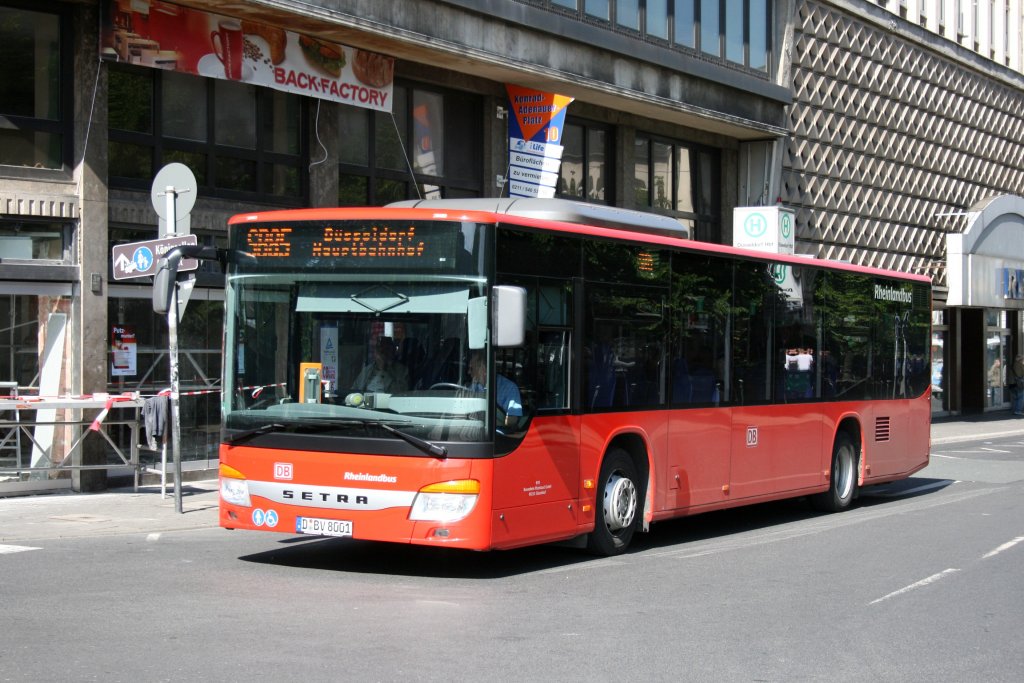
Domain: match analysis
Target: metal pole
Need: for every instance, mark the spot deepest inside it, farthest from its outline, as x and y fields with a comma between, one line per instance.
x=172, y=352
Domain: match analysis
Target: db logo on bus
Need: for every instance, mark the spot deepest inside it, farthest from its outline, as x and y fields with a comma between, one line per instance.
x=751, y=437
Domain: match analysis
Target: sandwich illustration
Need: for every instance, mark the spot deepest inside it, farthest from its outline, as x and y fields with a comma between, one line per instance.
x=324, y=56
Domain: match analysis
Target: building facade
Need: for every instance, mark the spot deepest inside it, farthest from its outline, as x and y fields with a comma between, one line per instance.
x=886, y=128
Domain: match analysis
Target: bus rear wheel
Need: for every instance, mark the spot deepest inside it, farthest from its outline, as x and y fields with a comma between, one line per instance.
x=843, y=486
x=618, y=505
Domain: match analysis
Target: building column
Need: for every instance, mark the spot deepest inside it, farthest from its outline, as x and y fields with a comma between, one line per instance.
x=88, y=352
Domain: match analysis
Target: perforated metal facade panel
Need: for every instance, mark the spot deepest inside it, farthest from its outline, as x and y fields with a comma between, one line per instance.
x=886, y=136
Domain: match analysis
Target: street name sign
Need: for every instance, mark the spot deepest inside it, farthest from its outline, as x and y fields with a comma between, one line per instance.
x=139, y=259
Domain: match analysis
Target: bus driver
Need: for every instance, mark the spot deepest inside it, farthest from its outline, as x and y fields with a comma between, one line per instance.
x=510, y=403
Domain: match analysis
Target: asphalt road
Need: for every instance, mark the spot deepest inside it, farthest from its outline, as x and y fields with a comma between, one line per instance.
x=920, y=582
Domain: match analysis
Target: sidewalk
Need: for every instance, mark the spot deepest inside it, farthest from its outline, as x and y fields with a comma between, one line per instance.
x=993, y=425
x=29, y=519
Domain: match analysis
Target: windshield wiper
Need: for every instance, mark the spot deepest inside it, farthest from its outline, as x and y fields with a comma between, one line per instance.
x=425, y=446
x=255, y=431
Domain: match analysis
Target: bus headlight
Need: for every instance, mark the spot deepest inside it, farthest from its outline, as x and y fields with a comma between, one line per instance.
x=234, y=488
x=447, y=501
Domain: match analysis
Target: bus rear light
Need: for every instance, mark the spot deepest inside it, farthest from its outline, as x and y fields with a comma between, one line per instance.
x=447, y=501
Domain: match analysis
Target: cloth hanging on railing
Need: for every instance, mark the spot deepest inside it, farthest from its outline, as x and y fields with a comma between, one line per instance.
x=154, y=415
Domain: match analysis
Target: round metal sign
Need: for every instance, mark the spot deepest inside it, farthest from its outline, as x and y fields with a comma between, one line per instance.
x=181, y=178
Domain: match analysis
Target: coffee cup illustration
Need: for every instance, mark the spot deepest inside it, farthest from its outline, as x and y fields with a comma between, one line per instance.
x=228, y=43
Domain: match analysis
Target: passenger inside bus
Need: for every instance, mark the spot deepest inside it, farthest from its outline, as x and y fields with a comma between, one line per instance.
x=510, y=403
x=384, y=374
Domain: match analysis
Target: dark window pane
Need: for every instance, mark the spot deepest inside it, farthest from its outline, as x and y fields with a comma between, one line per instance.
x=390, y=191
x=624, y=347
x=700, y=301
x=282, y=116
x=30, y=59
x=354, y=130
x=235, y=114
x=596, y=164
x=236, y=174
x=642, y=171
x=390, y=146
x=184, y=106
x=462, y=138
x=131, y=161
x=352, y=190
x=571, y=181
x=755, y=294
x=26, y=148
x=538, y=254
x=133, y=93
x=282, y=180
x=661, y=154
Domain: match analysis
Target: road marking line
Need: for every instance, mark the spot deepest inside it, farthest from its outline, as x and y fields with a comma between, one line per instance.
x=920, y=584
x=9, y=549
x=992, y=450
x=950, y=457
x=1005, y=546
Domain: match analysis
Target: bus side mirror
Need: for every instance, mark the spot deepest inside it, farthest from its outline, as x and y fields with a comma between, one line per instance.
x=508, y=311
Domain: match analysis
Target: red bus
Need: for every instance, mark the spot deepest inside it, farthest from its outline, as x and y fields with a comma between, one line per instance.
x=489, y=374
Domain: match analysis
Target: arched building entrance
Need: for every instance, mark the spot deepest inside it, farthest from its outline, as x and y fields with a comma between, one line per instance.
x=976, y=336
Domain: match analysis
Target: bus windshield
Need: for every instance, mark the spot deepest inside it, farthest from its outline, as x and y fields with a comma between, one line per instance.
x=358, y=329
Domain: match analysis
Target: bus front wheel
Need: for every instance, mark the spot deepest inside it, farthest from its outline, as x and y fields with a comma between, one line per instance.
x=618, y=505
x=843, y=485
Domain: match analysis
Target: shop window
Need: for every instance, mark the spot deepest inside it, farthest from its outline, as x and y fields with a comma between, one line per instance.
x=240, y=141
x=681, y=180
x=144, y=368
x=428, y=146
x=584, y=173
x=34, y=88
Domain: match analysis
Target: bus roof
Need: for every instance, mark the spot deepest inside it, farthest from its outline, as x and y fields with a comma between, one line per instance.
x=563, y=211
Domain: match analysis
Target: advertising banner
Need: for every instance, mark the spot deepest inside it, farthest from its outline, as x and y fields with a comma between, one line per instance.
x=535, y=126
x=163, y=35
